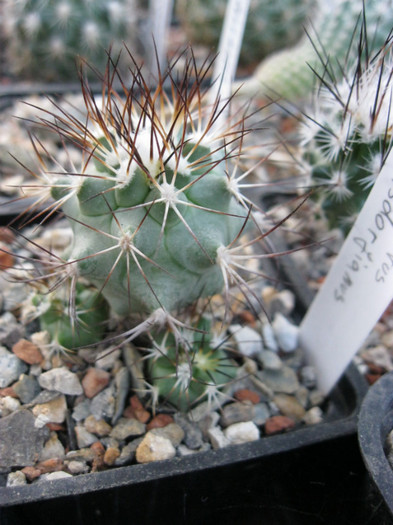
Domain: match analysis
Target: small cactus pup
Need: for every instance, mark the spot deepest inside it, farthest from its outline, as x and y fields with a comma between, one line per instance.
x=194, y=370
x=270, y=25
x=325, y=49
x=44, y=38
x=346, y=137
x=155, y=206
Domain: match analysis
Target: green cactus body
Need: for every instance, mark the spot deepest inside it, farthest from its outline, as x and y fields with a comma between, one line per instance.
x=346, y=139
x=190, y=371
x=44, y=37
x=153, y=210
x=334, y=26
x=270, y=25
x=69, y=330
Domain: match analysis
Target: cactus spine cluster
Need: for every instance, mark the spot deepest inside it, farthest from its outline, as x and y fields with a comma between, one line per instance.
x=157, y=214
x=347, y=135
x=270, y=25
x=325, y=48
x=45, y=37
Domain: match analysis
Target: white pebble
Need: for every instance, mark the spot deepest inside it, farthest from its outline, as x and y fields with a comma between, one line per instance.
x=61, y=380
x=55, y=475
x=154, y=448
x=217, y=438
x=287, y=334
x=249, y=342
x=16, y=479
x=242, y=432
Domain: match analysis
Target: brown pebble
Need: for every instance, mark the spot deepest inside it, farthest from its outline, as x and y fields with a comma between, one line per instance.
x=6, y=260
x=276, y=424
x=136, y=410
x=6, y=235
x=247, y=395
x=31, y=473
x=375, y=369
x=97, y=426
x=159, y=421
x=94, y=381
x=247, y=317
x=50, y=465
x=27, y=352
x=372, y=378
x=8, y=391
x=99, y=452
x=110, y=456
x=55, y=427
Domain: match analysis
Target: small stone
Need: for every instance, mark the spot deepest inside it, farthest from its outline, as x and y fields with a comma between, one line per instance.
x=302, y=395
x=282, y=302
x=61, y=380
x=11, y=367
x=137, y=410
x=210, y=420
x=20, y=441
x=10, y=330
x=94, y=381
x=284, y=380
x=242, y=432
x=159, y=421
x=289, y=406
x=106, y=359
x=217, y=438
x=378, y=356
x=83, y=454
x=122, y=384
x=182, y=450
x=16, y=479
x=270, y=360
x=84, y=438
x=97, y=426
x=154, y=448
x=236, y=413
x=31, y=473
x=110, y=456
x=103, y=404
x=127, y=454
x=51, y=476
x=77, y=467
x=249, y=342
x=81, y=410
x=269, y=338
x=193, y=435
x=247, y=395
x=27, y=352
x=50, y=465
x=287, y=334
x=26, y=388
x=127, y=428
x=387, y=339
x=277, y=424
x=313, y=416
x=98, y=460
x=172, y=432
x=8, y=405
x=308, y=376
x=51, y=412
x=261, y=414
x=53, y=448
x=316, y=398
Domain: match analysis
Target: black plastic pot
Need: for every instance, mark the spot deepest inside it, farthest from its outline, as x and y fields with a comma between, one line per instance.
x=254, y=478
x=375, y=423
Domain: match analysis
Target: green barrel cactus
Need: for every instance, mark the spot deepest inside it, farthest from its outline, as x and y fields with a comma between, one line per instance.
x=156, y=215
x=190, y=372
x=328, y=48
x=44, y=37
x=270, y=25
x=346, y=137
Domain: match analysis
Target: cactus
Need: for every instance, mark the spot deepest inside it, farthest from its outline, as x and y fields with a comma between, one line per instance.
x=190, y=372
x=270, y=25
x=325, y=49
x=44, y=37
x=346, y=137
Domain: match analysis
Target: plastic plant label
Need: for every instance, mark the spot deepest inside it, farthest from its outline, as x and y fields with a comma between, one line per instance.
x=357, y=290
x=231, y=39
x=160, y=13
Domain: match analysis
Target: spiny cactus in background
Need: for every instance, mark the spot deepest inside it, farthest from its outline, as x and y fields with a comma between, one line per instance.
x=270, y=25
x=325, y=49
x=346, y=137
x=192, y=371
x=45, y=37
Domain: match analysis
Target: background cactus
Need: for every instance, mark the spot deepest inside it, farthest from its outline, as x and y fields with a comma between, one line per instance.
x=346, y=137
x=44, y=37
x=270, y=25
x=325, y=48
